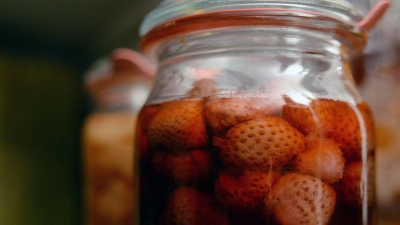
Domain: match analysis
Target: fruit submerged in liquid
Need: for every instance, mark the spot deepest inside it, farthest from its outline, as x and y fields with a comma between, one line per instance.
x=256, y=161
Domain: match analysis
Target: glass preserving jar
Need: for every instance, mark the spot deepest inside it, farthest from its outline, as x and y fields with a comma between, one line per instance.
x=118, y=87
x=254, y=117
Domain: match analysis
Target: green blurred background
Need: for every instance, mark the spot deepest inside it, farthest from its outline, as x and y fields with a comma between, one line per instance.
x=40, y=110
x=46, y=46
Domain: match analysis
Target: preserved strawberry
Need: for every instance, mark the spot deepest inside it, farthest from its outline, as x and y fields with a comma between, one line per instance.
x=266, y=143
x=323, y=159
x=243, y=192
x=179, y=126
x=300, y=199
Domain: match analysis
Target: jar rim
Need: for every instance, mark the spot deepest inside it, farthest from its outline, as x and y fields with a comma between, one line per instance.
x=270, y=18
x=170, y=10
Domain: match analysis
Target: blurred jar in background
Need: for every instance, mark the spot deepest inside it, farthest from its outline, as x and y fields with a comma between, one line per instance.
x=118, y=87
x=381, y=86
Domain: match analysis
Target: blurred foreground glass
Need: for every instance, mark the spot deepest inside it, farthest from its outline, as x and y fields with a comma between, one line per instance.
x=255, y=117
x=118, y=88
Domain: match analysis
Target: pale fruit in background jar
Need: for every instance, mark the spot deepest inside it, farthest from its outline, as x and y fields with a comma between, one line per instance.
x=108, y=153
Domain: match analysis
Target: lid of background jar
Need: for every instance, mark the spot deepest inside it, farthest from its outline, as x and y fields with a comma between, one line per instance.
x=121, y=81
x=124, y=66
x=168, y=10
x=386, y=35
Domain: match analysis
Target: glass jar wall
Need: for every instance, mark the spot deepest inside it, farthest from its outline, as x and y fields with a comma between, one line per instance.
x=255, y=119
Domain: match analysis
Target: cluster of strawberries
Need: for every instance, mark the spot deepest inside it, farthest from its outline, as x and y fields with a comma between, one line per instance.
x=291, y=163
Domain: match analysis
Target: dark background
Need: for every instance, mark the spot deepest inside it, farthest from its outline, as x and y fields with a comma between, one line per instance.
x=46, y=46
x=71, y=30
